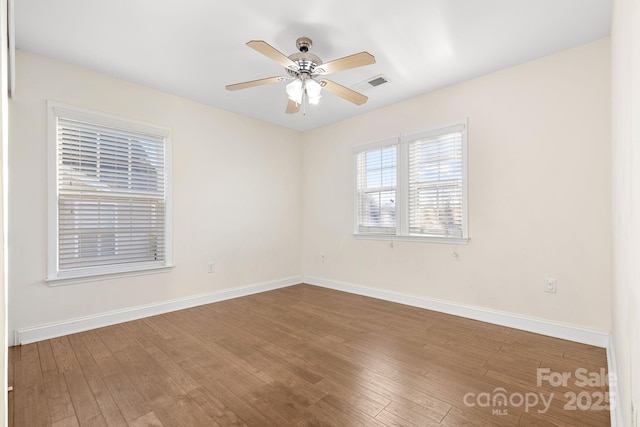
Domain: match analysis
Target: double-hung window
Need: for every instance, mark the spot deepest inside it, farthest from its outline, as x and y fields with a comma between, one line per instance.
x=414, y=187
x=377, y=176
x=109, y=205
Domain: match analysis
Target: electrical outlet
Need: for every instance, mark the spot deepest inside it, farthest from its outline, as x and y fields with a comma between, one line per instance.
x=211, y=267
x=550, y=285
x=323, y=258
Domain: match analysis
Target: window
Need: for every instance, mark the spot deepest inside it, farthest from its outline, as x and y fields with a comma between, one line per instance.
x=377, y=173
x=413, y=187
x=108, y=195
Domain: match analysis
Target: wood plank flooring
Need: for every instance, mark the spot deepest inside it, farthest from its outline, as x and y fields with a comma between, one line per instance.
x=305, y=356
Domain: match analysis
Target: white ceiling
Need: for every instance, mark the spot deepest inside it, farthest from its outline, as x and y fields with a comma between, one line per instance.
x=193, y=48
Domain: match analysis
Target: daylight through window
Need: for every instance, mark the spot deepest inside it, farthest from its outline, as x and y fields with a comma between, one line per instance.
x=414, y=187
x=111, y=195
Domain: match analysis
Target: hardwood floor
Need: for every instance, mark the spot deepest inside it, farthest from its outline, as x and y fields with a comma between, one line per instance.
x=305, y=355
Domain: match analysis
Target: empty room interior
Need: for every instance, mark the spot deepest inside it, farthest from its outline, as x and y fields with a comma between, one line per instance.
x=357, y=213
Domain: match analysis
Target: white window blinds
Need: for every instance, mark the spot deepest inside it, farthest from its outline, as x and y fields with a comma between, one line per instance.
x=413, y=187
x=436, y=185
x=111, y=197
x=376, y=171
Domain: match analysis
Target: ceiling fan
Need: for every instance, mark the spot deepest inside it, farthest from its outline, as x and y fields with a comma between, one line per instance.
x=305, y=73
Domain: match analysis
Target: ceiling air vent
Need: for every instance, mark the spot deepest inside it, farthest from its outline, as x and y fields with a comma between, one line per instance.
x=377, y=81
x=370, y=83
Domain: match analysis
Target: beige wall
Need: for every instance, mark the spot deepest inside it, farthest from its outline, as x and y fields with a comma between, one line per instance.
x=539, y=186
x=539, y=193
x=626, y=203
x=236, y=185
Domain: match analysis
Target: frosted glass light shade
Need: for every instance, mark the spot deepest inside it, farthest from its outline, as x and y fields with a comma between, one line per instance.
x=313, y=89
x=294, y=91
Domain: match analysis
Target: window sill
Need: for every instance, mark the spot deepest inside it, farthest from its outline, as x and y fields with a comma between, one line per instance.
x=418, y=239
x=86, y=277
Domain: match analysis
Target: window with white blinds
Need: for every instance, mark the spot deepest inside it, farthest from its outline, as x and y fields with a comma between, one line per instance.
x=414, y=187
x=436, y=197
x=376, y=182
x=111, y=201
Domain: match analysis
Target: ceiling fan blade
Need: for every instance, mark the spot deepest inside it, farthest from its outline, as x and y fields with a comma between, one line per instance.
x=344, y=92
x=272, y=53
x=292, y=107
x=351, y=61
x=253, y=83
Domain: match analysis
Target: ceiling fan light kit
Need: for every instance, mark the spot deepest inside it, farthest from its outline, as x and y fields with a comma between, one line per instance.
x=304, y=89
x=304, y=70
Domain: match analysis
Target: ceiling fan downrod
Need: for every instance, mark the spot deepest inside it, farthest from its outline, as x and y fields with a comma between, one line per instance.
x=303, y=44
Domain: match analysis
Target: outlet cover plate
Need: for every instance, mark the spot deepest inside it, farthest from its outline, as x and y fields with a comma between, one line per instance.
x=550, y=285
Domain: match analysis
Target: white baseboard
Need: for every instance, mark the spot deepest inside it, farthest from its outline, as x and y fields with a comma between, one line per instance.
x=616, y=410
x=531, y=324
x=53, y=330
x=540, y=326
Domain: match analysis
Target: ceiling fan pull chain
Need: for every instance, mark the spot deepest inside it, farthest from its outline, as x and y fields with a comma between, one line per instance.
x=304, y=102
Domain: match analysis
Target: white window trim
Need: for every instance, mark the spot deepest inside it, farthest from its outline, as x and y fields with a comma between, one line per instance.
x=56, y=277
x=402, y=186
x=417, y=239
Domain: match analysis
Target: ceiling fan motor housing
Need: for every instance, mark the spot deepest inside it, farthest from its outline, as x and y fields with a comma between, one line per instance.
x=306, y=62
